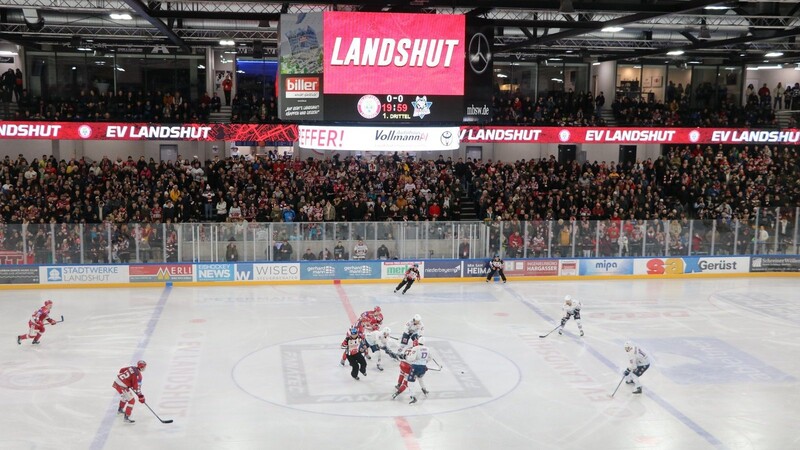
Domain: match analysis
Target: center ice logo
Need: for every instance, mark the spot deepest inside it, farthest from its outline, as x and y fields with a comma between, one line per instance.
x=304, y=381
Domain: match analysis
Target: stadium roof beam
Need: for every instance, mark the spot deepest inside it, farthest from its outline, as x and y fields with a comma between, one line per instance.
x=144, y=13
x=701, y=45
x=624, y=20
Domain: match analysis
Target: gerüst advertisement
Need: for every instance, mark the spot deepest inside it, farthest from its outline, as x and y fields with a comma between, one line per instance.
x=321, y=137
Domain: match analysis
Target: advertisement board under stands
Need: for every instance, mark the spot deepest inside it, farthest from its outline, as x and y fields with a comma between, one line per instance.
x=394, y=270
x=19, y=274
x=531, y=267
x=83, y=274
x=149, y=273
x=444, y=268
x=775, y=264
x=215, y=272
x=606, y=267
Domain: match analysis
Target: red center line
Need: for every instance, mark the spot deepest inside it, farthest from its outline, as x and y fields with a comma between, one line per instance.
x=400, y=422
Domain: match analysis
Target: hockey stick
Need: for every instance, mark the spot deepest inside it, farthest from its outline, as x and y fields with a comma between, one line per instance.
x=57, y=321
x=548, y=334
x=154, y=413
x=618, y=385
x=437, y=363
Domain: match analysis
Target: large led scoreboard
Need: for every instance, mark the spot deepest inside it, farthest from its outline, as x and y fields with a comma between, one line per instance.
x=383, y=67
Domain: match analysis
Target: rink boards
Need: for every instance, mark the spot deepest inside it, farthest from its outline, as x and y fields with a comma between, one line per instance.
x=447, y=270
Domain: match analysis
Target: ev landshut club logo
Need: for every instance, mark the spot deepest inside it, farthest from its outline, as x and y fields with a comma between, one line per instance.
x=480, y=53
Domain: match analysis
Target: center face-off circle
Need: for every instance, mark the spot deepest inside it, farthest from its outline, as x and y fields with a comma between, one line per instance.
x=306, y=375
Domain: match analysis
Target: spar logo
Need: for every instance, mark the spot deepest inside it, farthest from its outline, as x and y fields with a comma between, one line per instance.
x=564, y=135
x=670, y=266
x=694, y=135
x=302, y=87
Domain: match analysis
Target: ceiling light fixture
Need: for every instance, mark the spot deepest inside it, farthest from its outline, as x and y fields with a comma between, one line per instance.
x=120, y=16
x=675, y=52
x=226, y=42
x=612, y=29
x=717, y=7
x=774, y=54
x=595, y=63
x=502, y=75
x=704, y=32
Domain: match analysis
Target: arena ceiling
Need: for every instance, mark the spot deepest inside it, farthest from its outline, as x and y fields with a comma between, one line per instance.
x=707, y=31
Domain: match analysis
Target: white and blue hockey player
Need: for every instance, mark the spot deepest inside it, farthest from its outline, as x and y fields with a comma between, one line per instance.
x=414, y=329
x=571, y=309
x=378, y=340
x=638, y=363
x=413, y=369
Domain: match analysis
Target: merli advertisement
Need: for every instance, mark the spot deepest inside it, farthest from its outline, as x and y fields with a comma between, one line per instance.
x=300, y=71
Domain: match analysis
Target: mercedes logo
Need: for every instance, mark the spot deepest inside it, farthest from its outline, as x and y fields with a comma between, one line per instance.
x=480, y=53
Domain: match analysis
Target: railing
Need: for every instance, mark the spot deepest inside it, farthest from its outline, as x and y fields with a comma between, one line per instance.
x=773, y=231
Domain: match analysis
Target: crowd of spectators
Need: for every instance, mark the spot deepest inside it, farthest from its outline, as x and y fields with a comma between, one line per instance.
x=554, y=109
x=683, y=107
x=131, y=106
x=252, y=108
x=720, y=183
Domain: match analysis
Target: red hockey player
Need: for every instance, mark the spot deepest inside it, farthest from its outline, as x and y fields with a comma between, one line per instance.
x=128, y=383
x=36, y=323
x=411, y=275
x=413, y=368
x=370, y=321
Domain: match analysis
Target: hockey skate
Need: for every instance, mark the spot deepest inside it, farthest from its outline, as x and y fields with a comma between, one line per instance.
x=425, y=391
x=364, y=372
x=356, y=378
x=120, y=411
x=341, y=363
x=396, y=393
x=413, y=400
x=395, y=291
x=35, y=343
x=19, y=341
x=637, y=390
x=581, y=332
x=379, y=367
x=560, y=332
x=629, y=382
x=127, y=419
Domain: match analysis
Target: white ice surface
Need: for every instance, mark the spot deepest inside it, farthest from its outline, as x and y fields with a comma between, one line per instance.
x=257, y=367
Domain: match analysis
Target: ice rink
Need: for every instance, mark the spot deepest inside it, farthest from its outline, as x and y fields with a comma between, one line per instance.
x=258, y=367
